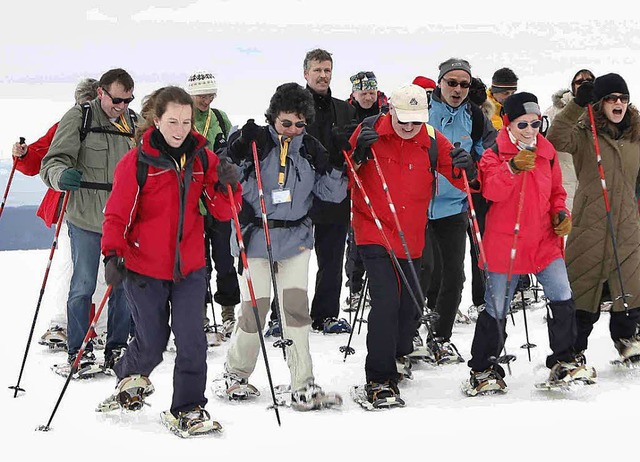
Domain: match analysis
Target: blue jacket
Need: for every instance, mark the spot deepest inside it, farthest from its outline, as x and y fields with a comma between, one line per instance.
x=456, y=125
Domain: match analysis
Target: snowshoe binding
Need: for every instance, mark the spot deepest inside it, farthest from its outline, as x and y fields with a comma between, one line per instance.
x=234, y=387
x=129, y=395
x=374, y=395
x=629, y=350
x=446, y=353
x=196, y=422
x=487, y=382
x=55, y=338
x=564, y=374
x=312, y=397
x=87, y=367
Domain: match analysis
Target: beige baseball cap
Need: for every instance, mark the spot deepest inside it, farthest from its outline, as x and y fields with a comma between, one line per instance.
x=410, y=103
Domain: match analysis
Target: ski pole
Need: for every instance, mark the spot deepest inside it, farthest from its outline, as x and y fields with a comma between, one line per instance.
x=507, y=358
x=527, y=345
x=283, y=342
x=13, y=170
x=348, y=349
x=419, y=306
x=254, y=303
x=361, y=302
x=76, y=362
x=607, y=206
x=209, y=298
x=54, y=245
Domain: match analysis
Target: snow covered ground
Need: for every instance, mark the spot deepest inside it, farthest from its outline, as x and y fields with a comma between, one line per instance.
x=439, y=421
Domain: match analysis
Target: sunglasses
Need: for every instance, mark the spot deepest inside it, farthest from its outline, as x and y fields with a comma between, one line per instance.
x=534, y=124
x=118, y=100
x=455, y=83
x=286, y=123
x=407, y=123
x=581, y=81
x=611, y=98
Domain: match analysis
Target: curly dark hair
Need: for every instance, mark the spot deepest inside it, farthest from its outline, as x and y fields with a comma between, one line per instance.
x=291, y=97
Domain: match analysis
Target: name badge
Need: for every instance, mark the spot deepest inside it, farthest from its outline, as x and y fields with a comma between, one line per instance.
x=280, y=196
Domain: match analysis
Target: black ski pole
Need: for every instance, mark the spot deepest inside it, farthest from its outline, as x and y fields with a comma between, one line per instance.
x=283, y=342
x=76, y=362
x=607, y=206
x=10, y=180
x=254, y=303
x=361, y=303
x=527, y=345
x=16, y=388
x=348, y=349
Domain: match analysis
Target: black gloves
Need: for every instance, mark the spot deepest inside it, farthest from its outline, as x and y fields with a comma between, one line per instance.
x=220, y=142
x=462, y=159
x=241, y=147
x=584, y=94
x=70, y=179
x=340, y=142
x=228, y=174
x=366, y=138
x=114, y=270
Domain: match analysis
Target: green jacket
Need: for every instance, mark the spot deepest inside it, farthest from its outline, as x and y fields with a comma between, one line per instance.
x=214, y=125
x=96, y=157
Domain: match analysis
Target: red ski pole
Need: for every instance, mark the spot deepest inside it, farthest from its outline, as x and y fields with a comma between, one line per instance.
x=13, y=170
x=607, y=205
x=54, y=245
x=252, y=294
x=74, y=366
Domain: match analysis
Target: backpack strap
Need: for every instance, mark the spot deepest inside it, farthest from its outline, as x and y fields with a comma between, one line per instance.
x=477, y=122
x=221, y=122
x=86, y=120
x=86, y=127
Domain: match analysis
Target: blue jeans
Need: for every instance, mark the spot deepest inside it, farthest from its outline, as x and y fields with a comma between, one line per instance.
x=85, y=255
x=553, y=278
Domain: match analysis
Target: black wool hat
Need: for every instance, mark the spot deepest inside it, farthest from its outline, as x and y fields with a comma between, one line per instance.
x=518, y=105
x=609, y=83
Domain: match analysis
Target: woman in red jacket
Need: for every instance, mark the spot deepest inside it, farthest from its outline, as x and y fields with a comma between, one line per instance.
x=153, y=229
x=523, y=163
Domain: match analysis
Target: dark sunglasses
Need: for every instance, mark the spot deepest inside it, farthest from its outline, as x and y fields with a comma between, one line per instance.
x=368, y=75
x=455, y=83
x=286, y=123
x=534, y=124
x=581, y=81
x=118, y=100
x=406, y=123
x=624, y=99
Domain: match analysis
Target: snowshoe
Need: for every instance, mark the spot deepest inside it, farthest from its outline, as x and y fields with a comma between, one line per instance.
x=274, y=329
x=311, y=397
x=87, y=367
x=564, y=374
x=473, y=311
x=196, y=422
x=373, y=396
x=55, y=338
x=111, y=357
x=214, y=336
x=227, y=328
x=446, y=353
x=234, y=387
x=354, y=301
x=403, y=366
x=422, y=353
x=490, y=381
x=462, y=318
x=629, y=350
x=130, y=394
x=336, y=326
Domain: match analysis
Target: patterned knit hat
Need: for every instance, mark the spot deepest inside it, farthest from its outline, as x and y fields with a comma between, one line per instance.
x=202, y=83
x=365, y=80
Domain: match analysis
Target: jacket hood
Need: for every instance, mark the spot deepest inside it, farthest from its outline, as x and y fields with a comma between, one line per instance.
x=561, y=97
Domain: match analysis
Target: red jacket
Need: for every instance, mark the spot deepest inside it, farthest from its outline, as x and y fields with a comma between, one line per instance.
x=537, y=244
x=30, y=166
x=406, y=168
x=157, y=235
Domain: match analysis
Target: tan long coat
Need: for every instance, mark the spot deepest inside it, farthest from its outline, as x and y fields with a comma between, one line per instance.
x=589, y=252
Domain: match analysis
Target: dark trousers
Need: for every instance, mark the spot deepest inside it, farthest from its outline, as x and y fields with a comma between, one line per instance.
x=153, y=302
x=443, y=269
x=353, y=266
x=393, y=318
x=621, y=325
x=477, y=275
x=218, y=249
x=330, y=239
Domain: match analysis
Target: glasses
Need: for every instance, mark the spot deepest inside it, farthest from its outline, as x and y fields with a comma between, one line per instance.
x=407, y=123
x=455, y=83
x=581, y=81
x=286, y=123
x=611, y=98
x=118, y=100
x=534, y=124
x=210, y=96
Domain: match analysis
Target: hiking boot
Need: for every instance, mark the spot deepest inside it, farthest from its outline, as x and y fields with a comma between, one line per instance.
x=571, y=371
x=353, y=302
x=403, y=366
x=129, y=394
x=417, y=341
x=629, y=349
x=488, y=381
x=238, y=388
x=274, y=329
x=381, y=391
x=462, y=318
x=197, y=421
x=311, y=396
x=55, y=338
x=214, y=337
x=474, y=310
x=335, y=326
x=88, y=359
x=227, y=328
x=112, y=356
x=446, y=353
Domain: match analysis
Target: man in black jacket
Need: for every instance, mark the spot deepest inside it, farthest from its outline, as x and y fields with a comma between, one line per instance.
x=331, y=221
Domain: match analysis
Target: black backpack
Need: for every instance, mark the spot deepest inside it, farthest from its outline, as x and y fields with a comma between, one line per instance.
x=86, y=127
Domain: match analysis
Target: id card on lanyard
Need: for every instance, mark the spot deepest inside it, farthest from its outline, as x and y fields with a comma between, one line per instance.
x=282, y=195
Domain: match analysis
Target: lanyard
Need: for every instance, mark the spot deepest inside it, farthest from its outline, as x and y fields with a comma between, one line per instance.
x=205, y=130
x=123, y=126
x=284, y=149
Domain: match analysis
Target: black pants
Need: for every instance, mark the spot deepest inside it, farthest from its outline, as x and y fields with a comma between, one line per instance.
x=621, y=325
x=330, y=239
x=477, y=275
x=217, y=248
x=394, y=316
x=353, y=266
x=443, y=269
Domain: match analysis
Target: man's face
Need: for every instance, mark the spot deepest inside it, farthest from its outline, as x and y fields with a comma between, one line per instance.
x=318, y=76
x=365, y=98
x=406, y=130
x=451, y=86
x=114, y=91
x=500, y=97
x=203, y=102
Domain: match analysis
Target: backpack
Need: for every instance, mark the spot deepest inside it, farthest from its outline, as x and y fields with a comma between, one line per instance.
x=86, y=127
x=223, y=125
x=477, y=122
